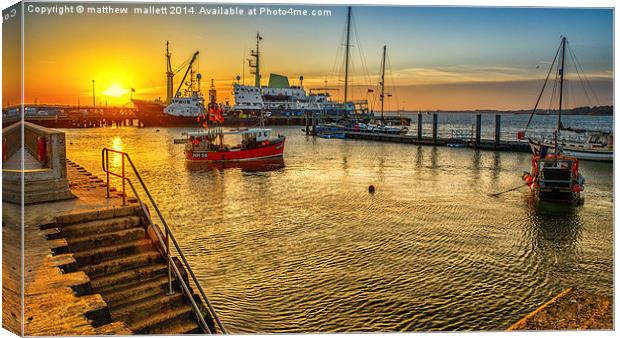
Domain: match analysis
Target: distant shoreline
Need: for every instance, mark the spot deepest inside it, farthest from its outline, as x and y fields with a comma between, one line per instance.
x=584, y=111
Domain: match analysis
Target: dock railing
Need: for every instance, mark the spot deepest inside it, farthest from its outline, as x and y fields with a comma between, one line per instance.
x=165, y=242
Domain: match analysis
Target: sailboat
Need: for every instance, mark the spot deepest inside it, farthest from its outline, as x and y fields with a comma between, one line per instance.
x=381, y=125
x=337, y=129
x=554, y=174
x=597, y=145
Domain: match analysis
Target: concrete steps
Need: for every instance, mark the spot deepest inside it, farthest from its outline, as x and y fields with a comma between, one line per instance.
x=122, y=264
x=181, y=326
x=116, y=297
x=122, y=279
x=147, y=307
x=159, y=322
x=102, y=253
x=100, y=226
x=110, y=238
x=125, y=268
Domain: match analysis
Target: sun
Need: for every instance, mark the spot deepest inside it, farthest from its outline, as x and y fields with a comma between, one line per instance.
x=115, y=91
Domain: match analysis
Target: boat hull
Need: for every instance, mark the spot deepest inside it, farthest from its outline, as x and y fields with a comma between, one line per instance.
x=581, y=154
x=274, y=149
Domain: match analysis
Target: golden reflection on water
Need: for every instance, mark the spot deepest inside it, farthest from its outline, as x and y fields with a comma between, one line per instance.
x=300, y=245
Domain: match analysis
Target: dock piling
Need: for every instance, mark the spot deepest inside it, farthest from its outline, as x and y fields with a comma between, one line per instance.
x=434, y=127
x=314, y=124
x=498, y=124
x=478, y=128
x=419, y=126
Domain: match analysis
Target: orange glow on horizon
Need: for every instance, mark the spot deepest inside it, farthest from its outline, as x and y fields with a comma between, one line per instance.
x=115, y=91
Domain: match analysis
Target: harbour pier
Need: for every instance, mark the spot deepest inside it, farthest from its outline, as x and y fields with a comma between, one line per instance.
x=71, y=116
x=96, y=261
x=476, y=141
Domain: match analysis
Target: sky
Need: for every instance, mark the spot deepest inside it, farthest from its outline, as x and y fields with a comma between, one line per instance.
x=438, y=57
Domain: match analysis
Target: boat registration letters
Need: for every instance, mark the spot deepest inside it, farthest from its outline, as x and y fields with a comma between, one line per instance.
x=200, y=154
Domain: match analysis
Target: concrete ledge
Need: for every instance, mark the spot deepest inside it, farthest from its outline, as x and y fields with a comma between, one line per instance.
x=85, y=216
x=570, y=310
x=64, y=262
x=116, y=328
x=36, y=191
x=100, y=314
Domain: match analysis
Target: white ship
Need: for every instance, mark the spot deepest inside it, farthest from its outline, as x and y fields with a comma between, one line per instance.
x=279, y=98
x=192, y=106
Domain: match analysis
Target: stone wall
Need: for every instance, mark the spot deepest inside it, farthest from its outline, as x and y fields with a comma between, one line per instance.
x=48, y=182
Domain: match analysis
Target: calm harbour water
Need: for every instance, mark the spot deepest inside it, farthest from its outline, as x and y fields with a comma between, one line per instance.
x=305, y=248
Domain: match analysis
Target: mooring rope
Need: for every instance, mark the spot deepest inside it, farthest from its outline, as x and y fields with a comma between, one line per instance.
x=509, y=190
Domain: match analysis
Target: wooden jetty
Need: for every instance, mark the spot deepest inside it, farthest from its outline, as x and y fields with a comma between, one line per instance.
x=497, y=144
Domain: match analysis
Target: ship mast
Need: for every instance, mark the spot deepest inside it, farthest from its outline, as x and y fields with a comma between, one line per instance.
x=346, y=56
x=382, y=97
x=169, y=74
x=256, y=65
x=561, y=71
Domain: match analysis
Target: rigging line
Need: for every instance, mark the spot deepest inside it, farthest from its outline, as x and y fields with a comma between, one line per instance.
x=335, y=73
x=581, y=82
x=556, y=81
x=364, y=62
x=578, y=67
x=568, y=84
x=543, y=88
x=553, y=92
x=353, y=83
x=584, y=75
x=394, y=91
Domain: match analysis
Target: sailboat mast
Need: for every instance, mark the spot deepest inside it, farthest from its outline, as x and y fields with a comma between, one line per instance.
x=346, y=56
x=563, y=56
x=169, y=74
x=382, y=81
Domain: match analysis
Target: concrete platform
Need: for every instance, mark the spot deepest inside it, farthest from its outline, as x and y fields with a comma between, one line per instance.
x=570, y=310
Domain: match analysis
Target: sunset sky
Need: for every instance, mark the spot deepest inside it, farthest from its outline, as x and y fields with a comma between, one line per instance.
x=439, y=58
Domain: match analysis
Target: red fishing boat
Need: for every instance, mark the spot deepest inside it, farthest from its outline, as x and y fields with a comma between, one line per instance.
x=555, y=177
x=254, y=144
x=248, y=144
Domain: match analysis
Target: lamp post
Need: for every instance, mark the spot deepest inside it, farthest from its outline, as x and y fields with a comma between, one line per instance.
x=93, y=93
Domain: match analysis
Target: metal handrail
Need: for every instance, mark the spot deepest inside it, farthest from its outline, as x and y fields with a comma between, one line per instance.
x=168, y=234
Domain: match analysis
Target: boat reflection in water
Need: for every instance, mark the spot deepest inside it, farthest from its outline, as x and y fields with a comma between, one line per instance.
x=553, y=227
x=262, y=165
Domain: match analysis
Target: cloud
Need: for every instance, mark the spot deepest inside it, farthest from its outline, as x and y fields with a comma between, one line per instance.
x=464, y=73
